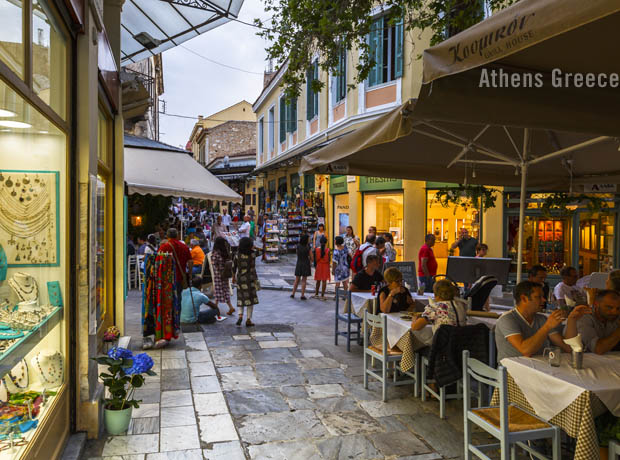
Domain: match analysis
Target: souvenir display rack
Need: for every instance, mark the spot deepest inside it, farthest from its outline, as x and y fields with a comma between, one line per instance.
x=272, y=240
x=283, y=227
x=294, y=228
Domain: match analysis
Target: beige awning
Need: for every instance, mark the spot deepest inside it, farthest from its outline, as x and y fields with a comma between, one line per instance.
x=540, y=44
x=172, y=173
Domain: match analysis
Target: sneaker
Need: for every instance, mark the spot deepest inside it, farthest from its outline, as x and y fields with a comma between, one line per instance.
x=220, y=318
x=161, y=343
x=147, y=343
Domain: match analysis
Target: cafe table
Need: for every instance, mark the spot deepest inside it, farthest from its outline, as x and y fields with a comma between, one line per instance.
x=566, y=397
x=363, y=300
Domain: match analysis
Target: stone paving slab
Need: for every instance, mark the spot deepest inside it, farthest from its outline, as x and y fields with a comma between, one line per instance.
x=220, y=396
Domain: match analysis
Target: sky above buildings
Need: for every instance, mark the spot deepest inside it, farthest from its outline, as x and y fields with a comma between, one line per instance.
x=195, y=86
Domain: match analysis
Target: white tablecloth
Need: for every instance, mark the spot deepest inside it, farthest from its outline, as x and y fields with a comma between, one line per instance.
x=397, y=327
x=550, y=390
x=361, y=300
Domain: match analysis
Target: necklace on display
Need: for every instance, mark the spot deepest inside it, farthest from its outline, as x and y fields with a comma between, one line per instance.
x=54, y=377
x=24, y=374
x=25, y=286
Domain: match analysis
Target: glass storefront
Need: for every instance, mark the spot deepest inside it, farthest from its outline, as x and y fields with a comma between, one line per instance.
x=446, y=223
x=33, y=273
x=385, y=211
x=583, y=239
x=341, y=214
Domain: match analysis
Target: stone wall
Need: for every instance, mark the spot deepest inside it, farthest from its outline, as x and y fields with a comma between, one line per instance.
x=231, y=138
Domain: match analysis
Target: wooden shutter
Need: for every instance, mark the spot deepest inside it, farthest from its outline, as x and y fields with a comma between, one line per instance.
x=282, y=119
x=316, y=94
x=292, y=116
x=398, y=49
x=309, y=94
x=376, y=52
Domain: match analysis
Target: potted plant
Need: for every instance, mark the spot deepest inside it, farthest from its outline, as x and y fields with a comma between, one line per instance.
x=124, y=375
x=110, y=337
x=607, y=429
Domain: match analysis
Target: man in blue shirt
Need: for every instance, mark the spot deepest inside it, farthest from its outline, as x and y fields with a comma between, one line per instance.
x=189, y=309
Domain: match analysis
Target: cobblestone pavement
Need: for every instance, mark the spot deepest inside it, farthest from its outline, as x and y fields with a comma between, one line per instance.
x=280, y=391
x=280, y=275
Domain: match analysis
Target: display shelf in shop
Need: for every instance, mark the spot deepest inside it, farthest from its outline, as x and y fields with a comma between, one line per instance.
x=16, y=352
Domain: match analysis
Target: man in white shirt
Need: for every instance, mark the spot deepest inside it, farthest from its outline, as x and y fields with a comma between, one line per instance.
x=244, y=230
x=226, y=220
x=368, y=248
x=567, y=288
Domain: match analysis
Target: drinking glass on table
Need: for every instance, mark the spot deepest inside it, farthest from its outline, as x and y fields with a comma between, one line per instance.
x=421, y=288
x=553, y=354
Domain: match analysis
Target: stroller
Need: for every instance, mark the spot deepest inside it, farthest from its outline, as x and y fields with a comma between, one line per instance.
x=480, y=291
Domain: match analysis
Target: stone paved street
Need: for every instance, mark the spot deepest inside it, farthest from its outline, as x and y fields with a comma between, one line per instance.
x=281, y=275
x=279, y=391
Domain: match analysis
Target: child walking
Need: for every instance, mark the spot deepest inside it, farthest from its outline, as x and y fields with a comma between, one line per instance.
x=321, y=273
x=302, y=268
x=244, y=275
x=340, y=264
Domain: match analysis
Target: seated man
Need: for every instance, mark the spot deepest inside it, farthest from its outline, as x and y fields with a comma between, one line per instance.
x=600, y=331
x=538, y=274
x=190, y=311
x=524, y=331
x=369, y=276
x=567, y=288
x=198, y=256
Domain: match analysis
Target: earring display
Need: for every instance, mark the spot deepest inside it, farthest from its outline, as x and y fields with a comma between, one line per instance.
x=54, y=294
x=29, y=217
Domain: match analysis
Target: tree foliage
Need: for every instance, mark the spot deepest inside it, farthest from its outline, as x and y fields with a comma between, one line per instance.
x=301, y=30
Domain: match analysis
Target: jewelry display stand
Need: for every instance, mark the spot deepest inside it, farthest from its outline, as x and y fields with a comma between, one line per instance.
x=49, y=367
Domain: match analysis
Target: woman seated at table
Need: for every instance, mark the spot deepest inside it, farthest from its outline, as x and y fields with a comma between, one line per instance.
x=444, y=309
x=394, y=297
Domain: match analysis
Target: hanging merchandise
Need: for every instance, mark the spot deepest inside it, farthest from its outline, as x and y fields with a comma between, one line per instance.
x=29, y=217
x=48, y=364
x=161, y=306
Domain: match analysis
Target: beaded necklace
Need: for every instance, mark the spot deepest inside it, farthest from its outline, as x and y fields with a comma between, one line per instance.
x=54, y=373
x=24, y=374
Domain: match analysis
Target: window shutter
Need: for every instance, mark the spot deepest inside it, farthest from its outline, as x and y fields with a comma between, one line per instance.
x=376, y=52
x=282, y=120
x=292, y=116
x=333, y=89
x=398, y=49
x=316, y=94
x=309, y=95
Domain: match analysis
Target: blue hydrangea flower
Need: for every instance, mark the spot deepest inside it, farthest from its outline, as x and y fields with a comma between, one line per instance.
x=120, y=353
x=141, y=364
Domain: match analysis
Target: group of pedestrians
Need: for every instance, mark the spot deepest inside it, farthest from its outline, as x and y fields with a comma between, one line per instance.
x=348, y=257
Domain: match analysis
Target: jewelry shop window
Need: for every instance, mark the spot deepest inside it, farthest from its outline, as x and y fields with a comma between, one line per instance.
x=33, y=271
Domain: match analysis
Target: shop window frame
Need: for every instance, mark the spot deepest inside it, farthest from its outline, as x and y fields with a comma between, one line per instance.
x=24, y=86
x=362, y=234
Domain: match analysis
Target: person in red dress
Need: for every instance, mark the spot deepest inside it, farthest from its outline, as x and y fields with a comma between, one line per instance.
x=322, y=264
x=182, y=266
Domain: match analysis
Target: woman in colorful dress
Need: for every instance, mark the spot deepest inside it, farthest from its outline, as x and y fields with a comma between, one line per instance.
x=445, y=308
x=351, y=242
x=244, y=275
x=340, y=264
x=322, y=270
x=220, y=256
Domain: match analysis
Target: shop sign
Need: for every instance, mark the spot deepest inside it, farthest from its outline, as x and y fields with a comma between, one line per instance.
x=351, y=178
x=380, y=183
x=408, y=271
x=337, y=168
x=337, y=185
x=599, y=188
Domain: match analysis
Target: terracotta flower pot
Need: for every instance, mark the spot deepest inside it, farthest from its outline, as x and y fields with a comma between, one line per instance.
x=603, y=451
x=116, y=421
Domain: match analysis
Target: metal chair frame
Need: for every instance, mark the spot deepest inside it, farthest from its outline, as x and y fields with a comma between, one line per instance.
x=614, y=449
x=349, y=318
x=380, y=320
x=508, y=441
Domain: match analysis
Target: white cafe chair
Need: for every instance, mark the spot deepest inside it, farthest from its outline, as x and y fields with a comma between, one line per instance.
x=508, y=423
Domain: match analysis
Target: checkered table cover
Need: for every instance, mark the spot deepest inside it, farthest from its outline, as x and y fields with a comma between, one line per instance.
x=408, y=344
x=577, y=420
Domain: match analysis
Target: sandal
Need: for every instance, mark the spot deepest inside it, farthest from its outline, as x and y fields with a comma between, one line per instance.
x=249, y=323
x=161, y=344
x=231, y=312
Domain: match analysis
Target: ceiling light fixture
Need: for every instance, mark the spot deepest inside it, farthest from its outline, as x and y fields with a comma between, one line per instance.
x=7, y=113
x=14, y=124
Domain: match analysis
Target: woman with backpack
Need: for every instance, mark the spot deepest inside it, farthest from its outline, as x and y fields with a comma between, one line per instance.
x=302, y=268
x=341, y=260
x=322, y=271
x=221, y=264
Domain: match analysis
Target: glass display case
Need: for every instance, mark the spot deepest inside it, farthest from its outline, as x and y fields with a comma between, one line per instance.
x=33, y=273
x=596, y=242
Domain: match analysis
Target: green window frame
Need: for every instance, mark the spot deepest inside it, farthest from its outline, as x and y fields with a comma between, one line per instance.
x=291, y=116
x=312, y=97
x=283, y=112
x=386, y=50
x=339, y=82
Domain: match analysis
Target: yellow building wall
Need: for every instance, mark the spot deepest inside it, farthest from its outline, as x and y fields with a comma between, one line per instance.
x=493, y=228
x=241, y=111
x=414, y=217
